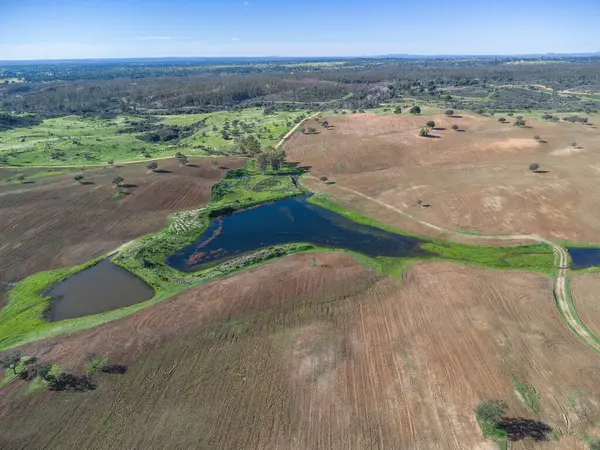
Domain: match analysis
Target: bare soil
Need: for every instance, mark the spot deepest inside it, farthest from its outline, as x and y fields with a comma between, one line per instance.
x=585, y=288
x=320, y=353
x=55, y=222
x=476, y=179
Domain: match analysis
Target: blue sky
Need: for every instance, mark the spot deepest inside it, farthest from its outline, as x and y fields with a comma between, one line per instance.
x=42, y=29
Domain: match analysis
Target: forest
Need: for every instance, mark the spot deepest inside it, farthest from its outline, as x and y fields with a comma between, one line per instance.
x=174, y=86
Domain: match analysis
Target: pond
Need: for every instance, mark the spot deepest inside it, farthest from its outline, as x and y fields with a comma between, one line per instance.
x=286, y=221
x=584, y=257
x=100, y=288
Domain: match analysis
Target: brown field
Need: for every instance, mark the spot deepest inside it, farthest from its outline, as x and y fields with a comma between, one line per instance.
x=585, y=289
x=54, y=222
x=474, y=180
x=292, y=356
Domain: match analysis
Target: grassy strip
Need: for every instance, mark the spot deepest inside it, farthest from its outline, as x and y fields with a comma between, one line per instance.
x=22, y=319
x=26, y=305
x=536, y=258
x=575, y=316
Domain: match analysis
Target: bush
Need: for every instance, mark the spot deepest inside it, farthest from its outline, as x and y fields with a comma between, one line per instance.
x=490, y=412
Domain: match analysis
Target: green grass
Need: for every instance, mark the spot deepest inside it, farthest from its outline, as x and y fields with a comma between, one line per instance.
x=268, y=128
x=26, y=306
x=537, y=258
x=22, y=319
x=88, y=141
x=528, y=395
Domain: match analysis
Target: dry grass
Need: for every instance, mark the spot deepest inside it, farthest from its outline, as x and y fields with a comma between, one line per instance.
x=473, y=180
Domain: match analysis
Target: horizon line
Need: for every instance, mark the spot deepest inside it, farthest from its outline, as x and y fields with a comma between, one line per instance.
x=384, y=55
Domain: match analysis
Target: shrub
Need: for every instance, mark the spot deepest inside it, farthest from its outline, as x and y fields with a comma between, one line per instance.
x=490, y=412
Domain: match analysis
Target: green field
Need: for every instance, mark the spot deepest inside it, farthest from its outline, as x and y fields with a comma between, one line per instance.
x=79, y=141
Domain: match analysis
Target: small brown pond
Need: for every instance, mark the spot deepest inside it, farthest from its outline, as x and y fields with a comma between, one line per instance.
x=100, y=288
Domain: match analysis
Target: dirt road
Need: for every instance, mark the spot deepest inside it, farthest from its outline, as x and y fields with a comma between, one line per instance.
x=562, y=292
x=289, y=133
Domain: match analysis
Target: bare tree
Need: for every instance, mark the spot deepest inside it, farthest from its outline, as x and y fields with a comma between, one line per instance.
x=117, y=181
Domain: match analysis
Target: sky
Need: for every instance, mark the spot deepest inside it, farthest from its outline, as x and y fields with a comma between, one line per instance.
x=68, y=29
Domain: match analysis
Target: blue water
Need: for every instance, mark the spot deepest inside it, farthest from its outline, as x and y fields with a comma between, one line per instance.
x=583, y=257
x=287, y=221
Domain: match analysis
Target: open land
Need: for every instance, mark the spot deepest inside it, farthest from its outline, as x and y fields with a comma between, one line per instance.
x=55, y=222
x=320, y=351
x=476, y=179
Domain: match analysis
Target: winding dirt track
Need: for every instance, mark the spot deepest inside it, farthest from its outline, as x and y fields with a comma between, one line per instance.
x=562, y=292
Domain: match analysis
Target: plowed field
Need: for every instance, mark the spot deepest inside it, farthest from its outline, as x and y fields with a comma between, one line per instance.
x=476, y=179
x=54, y=222
x=314, y=351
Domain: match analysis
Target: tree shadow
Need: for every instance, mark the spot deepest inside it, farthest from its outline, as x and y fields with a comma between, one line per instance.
x=460, y=131
x=541, y=141
x=128, y=186
x=162, y=171
x=456, y=117
x=27, y=182
x=72, y=383
x=87, y=183
x=541, y=171
x=432, y=136
x=114, y=369
x=439, y=129
x=330, y=182
x=518, y=429
x=191, y=165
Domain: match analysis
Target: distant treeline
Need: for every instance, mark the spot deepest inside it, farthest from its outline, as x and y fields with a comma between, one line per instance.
x=176, y=86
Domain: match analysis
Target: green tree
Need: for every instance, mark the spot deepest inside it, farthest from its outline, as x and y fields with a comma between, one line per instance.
x=537, y=138
x=117, y=181
x=152, y=165
x=501, y=120
x=534, y=167
x=430, y=124
x=490, y=412
x=262, y=160
x=398, y=110
x=110, y=162
x=11, y=361
x=183, y=160
x=519, y=123
x=248, y=145
x=424, y=132
x=455, y=127
x=21, y=177
x=415, y=110
x=79, y=178
x=450, y=112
